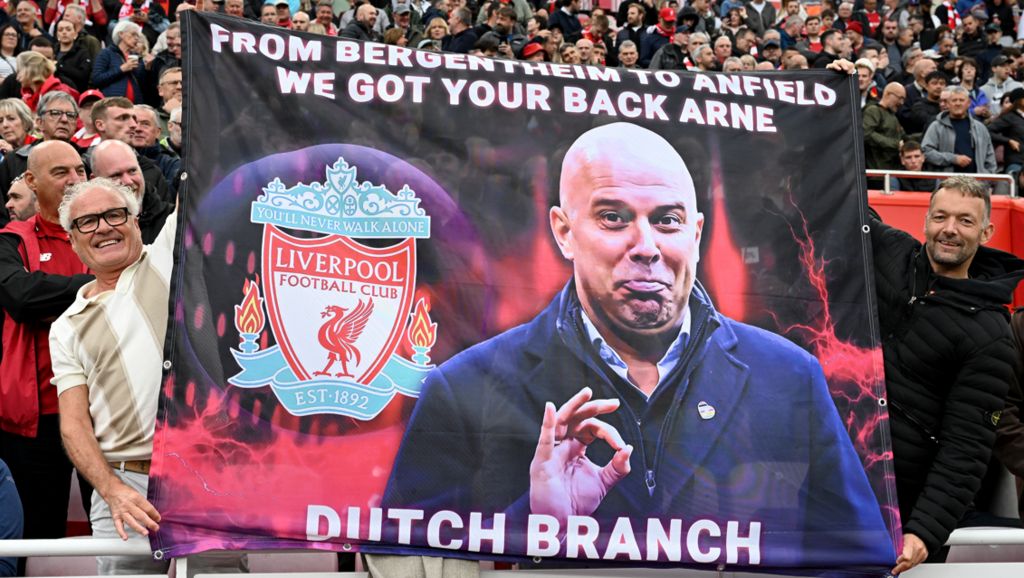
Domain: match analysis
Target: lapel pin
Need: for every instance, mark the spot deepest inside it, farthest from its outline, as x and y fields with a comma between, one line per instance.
x=706, y=410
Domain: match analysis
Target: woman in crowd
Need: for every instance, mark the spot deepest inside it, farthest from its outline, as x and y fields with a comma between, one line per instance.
x=436, y=30
x=395, y=36
x=9, y=37
x=968, y=75
x=15, y=125
x=74, y=65
x=733, y=21
x=35, y=73
x=119, y=69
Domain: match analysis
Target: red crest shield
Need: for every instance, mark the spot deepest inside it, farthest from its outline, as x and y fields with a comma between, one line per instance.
x=337, y=308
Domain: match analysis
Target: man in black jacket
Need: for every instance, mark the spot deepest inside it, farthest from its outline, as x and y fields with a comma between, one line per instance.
x=565, y=18
x=361, y=27
x=461, y=36
x=948, y=358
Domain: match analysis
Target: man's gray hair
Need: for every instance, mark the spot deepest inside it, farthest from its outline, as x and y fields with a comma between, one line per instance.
x=50, y=97
x=968, y=187
x=464, y=15
x=956, y=89
x=700, y=49
x=627, y=44
x=77, y=8
x=75, y=191
x=121, y=27
x=150, y=110
x=910, y=54
x=700, y=35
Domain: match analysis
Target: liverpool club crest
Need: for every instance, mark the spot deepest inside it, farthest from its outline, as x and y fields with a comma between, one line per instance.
x=338, y=309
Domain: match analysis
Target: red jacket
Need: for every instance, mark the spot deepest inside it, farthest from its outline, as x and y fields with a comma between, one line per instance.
x=49, y=85
x=25, y=345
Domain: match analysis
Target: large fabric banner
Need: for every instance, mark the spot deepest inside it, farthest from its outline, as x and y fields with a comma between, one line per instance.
x=449, y=305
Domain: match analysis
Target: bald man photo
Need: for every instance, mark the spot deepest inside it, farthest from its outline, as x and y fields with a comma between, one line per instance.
x=631, y=398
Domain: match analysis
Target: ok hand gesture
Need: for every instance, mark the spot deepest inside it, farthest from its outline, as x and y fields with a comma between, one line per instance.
x=563, y=481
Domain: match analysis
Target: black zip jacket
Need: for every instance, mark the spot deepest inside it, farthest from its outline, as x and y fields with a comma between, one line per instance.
x=949, y=357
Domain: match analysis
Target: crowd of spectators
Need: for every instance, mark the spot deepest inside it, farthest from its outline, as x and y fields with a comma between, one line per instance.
x=940, y=88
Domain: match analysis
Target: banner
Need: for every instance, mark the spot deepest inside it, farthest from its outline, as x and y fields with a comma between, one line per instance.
x=432, y=303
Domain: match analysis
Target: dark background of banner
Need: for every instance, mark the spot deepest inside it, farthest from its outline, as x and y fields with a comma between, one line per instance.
x=783, y=234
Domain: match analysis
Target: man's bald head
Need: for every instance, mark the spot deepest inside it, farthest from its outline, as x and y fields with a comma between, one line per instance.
x=52, y=167
x=116, y=160
x=923, y=68
x=893, y=96
x=367, y=14
x=599, y=156
x=629, y=223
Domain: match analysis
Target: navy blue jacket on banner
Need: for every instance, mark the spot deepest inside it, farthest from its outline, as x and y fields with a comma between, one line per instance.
x=771, y=448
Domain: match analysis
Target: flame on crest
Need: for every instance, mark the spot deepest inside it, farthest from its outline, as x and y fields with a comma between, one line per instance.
x=422, y=332
x=249, y=315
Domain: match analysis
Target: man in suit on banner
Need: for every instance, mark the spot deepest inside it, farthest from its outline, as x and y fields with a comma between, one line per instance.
x=631, y=396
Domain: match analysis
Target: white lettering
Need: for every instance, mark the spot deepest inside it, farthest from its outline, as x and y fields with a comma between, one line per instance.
x=314, y=515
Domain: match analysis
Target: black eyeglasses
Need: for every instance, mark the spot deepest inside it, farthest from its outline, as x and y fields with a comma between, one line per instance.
x=56, y=114
x=89, y=223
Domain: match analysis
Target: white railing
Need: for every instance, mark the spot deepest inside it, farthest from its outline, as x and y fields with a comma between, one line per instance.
x=991, y=538
x=887, y=189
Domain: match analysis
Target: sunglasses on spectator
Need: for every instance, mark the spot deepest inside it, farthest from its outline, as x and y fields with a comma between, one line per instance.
x=89, y=223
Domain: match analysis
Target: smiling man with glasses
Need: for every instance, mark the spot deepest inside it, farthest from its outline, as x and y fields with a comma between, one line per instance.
x=108, y=409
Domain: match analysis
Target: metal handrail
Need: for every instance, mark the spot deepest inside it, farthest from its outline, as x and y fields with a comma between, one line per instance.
x=887, y=190
x=84, y=546
x=116, y=547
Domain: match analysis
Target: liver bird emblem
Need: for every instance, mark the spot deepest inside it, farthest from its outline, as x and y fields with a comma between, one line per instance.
x=339, y=333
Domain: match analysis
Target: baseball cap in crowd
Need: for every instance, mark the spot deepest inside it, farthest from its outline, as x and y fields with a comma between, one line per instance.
x=771, y=42
x=402, y=9
x=855, y=27
x=865, y=63
x=1000, y=61
x=531, y=48
x=992, y=27
x=282, y=3
x=667, y=14
x=90, y=96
